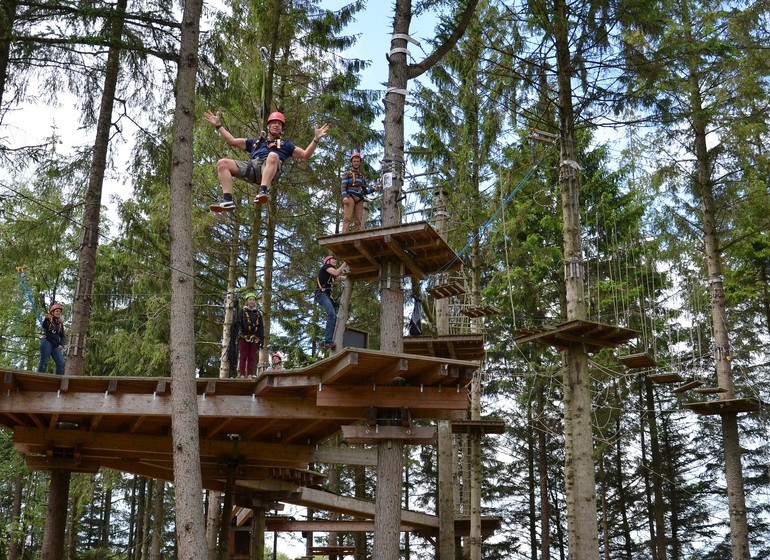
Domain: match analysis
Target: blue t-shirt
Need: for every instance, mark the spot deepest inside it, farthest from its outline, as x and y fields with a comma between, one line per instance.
x=260, y=147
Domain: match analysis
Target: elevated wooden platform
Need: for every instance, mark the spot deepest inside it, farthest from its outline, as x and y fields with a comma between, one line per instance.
x=728, y=406
x=665, y=377
x=594, y=336
x=709, y=390
x=443, y=291
x=462, y=526
x=693, y=384
x=457, y=347
x=264, y=432
x=418, y=246
x=482, y=427
x=480, y=311
x=637, y=361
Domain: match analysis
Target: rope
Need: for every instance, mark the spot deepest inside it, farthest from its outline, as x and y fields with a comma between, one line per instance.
x=492, y=218
x=25, y=286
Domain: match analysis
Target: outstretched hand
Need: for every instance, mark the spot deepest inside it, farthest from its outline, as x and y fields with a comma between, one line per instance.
x=213, y=120
x=320, y=131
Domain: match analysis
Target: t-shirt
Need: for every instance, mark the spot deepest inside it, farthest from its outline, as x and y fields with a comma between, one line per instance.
x=260, y=147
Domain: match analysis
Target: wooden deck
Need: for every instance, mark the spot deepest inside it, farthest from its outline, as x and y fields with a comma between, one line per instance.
x=594, y=336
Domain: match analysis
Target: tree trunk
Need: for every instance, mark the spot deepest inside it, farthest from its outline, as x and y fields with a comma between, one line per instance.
x=81, y=305
x=14, y=546
x=158, y=522
x=141, y=512
x=7, y=19
x=225, y=367
x=390, y=463
x=213, y=519
x=56, y=517
x=190, y=526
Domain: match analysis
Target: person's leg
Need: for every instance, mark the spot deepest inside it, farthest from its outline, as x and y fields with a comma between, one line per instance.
x=58, y=358
x=243, y=355
x=358, y=212
x=226, y=170
x=45, y=354
x=331, y=315
x=270, y=169
x=348, y=205
x=252, y=362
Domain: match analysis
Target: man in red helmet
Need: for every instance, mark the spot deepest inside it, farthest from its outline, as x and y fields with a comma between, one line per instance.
x=267, y=154
x=354, y=191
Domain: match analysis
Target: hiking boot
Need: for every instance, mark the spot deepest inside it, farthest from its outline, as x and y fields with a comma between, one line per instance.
x=223, y=206
x=263, y=195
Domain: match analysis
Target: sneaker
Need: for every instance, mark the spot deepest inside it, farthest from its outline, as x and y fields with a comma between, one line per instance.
x=263, y=195
x=330, y=345
x=223, y=206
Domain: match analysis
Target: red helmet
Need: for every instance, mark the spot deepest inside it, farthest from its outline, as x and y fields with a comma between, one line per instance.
x=330, y=257
x=276, y=116
x=355, y=154
x=277, y=355
x=54, y=307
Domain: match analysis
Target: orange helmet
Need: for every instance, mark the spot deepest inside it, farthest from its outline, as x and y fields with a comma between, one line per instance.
x=355, y=154
x=54, y=307
x=330, y=257
x=276, y=116
x=277, y=355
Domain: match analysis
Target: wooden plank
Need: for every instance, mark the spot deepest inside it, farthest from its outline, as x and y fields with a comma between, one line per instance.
x=373, y=435
x=726, y=406
x=636, y=361
x=666, y=377
x=687, y=386
x=392, y=397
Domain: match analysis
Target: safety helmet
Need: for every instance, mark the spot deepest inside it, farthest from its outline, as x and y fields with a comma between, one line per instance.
x=330, y=257
x=54, y=307
x=355, y=154
x=250, y=294
x=277, y=355
x=276, y=116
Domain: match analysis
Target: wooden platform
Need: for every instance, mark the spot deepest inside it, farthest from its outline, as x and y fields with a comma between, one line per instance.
x=418, y=246
x=484, y=426
x=443, y=291
x=729, y=406
x=709, y=390
x=637, y=361
x=665, y=377
x=480, y=311
x=693, y=384
x=266, y=430
x=456, y=347
x=594, y=336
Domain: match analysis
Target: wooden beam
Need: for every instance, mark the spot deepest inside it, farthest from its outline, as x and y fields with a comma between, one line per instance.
x=382, y=396
x=403, y=257
x=373, y=435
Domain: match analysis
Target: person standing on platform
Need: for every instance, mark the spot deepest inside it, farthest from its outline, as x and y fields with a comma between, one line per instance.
x=52, y=343
x=323, y=294
x=251, y=336
x=266, y=157
x=354, y=191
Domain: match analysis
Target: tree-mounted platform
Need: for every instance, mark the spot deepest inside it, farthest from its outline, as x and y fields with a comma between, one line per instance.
x=371, y=435
x=594, y=336
x=418, y=246
x=709, y=390
x=442, y=291
x=332, y=550
x=480, y=427
x=638, y=361
x=693, y=384
x=477, y=311
x=457, y=347
x=726, y=406
x=665, y=377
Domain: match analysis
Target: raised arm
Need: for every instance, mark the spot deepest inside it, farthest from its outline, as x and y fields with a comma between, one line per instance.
x=320, y=132
x=216, y=122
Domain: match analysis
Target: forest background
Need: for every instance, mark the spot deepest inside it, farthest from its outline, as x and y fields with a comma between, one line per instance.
x=657, y=75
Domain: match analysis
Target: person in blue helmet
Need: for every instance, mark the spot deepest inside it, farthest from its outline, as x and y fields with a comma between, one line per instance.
x=52, y=343
x=251, y=336
x=328, y=272
x=266, y=156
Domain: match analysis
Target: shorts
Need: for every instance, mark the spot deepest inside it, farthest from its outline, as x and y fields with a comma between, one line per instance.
x=251, y=170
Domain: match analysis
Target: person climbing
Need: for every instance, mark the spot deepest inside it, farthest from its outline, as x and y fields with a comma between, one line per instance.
x=52, y=343
x=323, y=294
x=267, y=155
x=354, y=192
x=251, y=337
x=277, y=364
